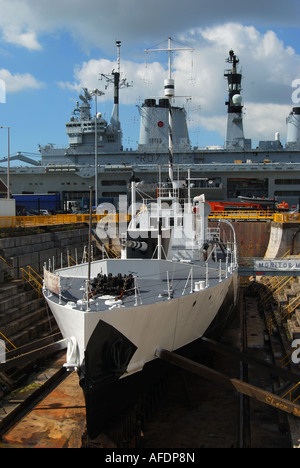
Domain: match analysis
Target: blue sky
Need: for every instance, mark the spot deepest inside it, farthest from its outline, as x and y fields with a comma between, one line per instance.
x=50, y=50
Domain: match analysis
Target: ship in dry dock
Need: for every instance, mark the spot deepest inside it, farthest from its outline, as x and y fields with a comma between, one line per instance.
x=176, y=281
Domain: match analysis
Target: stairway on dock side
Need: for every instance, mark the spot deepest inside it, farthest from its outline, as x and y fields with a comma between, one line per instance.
x=24, y=316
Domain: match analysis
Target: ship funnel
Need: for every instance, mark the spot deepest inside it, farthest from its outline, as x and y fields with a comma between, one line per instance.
x=293, y=129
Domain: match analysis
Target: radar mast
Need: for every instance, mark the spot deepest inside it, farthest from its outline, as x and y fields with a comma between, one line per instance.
x=169, y=90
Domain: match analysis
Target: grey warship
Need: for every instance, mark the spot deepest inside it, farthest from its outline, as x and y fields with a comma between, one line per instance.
x=95, y=153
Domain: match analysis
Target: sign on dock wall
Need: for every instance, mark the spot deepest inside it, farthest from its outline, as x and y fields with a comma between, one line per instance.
x=280, y=265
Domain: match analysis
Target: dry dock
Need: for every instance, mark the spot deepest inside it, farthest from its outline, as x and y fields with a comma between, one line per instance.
x=58, y=421
x=189, y=411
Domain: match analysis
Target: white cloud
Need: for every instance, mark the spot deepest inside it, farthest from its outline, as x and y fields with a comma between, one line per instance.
x=261, y=122
x=17, y=25
x=19, y=81
x=146, y=79
x=96, y=23
x=268, y=66
x=26, y=39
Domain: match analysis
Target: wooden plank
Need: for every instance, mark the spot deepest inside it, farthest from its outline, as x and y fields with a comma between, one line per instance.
x=266, y=397
x=235, y=384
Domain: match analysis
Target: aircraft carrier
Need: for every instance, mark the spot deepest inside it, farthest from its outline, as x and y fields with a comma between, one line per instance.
x=95, y=155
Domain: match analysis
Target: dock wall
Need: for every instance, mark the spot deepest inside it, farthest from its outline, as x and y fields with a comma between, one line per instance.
x=252, y=237
x=36, y=249
x=255, y=239
x=284, y=237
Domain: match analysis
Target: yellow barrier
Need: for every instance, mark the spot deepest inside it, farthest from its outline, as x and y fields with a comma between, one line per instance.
x=35, y=221
x=277, y=217
x=250, y=215
x=287, y=217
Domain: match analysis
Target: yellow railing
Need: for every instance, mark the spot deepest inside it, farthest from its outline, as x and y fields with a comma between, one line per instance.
x=288, y=358
x=5, y=261
x=6, y=339
x=277, y=285
x=250, y=215
x=283, y=313
x=289, y=393
x=33, y=278
x=277, y=217
x=287, y=217
x=54, y=220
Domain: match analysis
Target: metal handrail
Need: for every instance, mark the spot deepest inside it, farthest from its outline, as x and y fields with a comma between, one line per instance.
x=241, y=215
x=32, y=278
x=287, y=359
x=53, y=220
x=289, y=392
x=288, y=309
x=6, y=339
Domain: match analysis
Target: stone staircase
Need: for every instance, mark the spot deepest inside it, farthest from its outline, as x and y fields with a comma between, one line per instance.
x=36, y=249
x=23, y=314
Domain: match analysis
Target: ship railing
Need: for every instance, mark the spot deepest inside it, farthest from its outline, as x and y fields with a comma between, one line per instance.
x=167, y=190
x=213, y=234
x=203, y=283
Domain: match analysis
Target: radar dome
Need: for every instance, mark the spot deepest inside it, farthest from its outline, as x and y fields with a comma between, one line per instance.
x=237, y=100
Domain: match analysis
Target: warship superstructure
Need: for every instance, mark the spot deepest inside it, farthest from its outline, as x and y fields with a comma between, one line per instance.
x=268, y=170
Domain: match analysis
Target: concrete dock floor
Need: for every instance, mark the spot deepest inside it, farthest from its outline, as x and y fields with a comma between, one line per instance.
x=58, y=421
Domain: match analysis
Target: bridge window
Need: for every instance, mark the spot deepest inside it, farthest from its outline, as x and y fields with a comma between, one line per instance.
x=113, y=194
x=287, y=193
x=247, y=187
x=113, y=182
x=287, y=181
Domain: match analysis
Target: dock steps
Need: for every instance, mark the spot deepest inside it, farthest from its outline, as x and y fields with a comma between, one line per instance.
x=23, y=313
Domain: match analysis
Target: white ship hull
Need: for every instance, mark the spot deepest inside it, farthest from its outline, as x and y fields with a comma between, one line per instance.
x=114, y=344
x=170, y=324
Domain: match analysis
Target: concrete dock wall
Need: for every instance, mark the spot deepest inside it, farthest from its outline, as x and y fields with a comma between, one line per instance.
x=254, y=238
x=34, y=250
x=284, y=237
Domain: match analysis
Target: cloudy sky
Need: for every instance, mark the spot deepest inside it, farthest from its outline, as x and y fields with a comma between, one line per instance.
x=50, y=50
